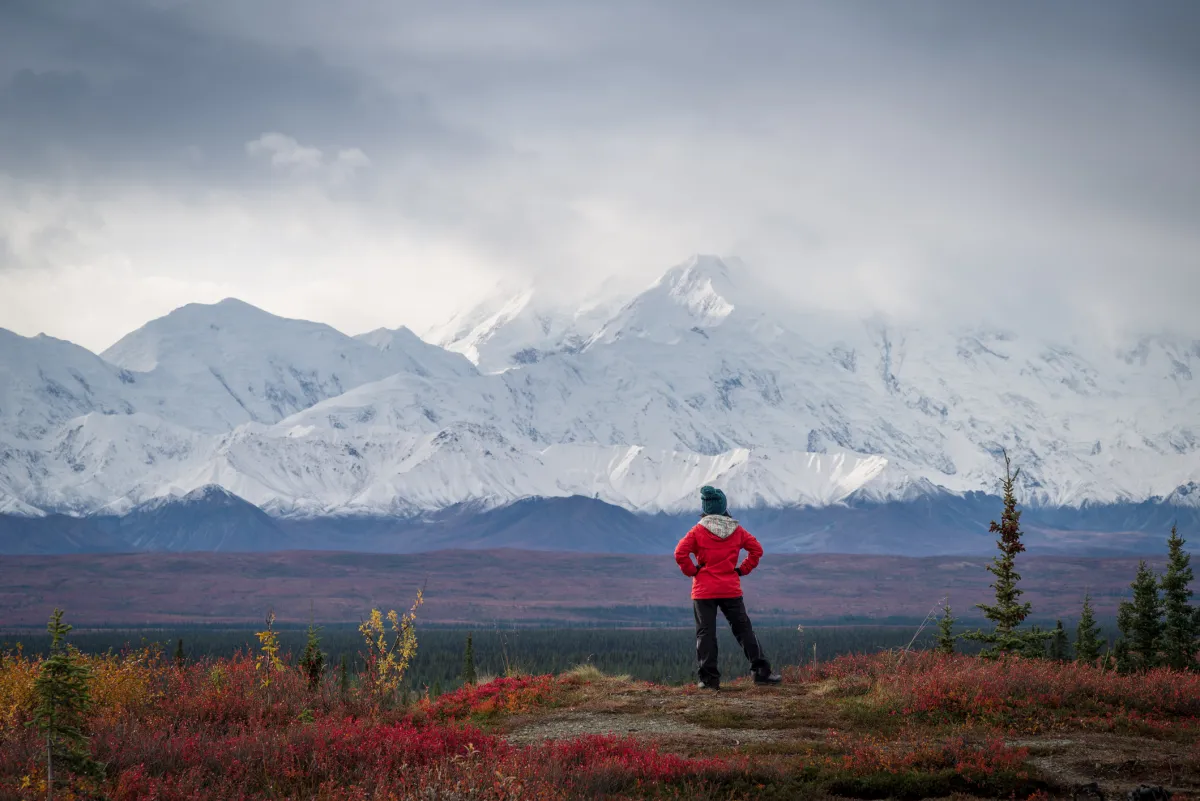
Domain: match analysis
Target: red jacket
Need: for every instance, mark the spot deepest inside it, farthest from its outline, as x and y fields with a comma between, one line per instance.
x=716, y=542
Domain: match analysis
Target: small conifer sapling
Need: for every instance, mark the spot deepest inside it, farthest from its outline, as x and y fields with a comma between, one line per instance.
x=1058, y=643
x=945, y=639
x=1120, y=658
x=1087, y=634
x=312, y=659
x=63, y=701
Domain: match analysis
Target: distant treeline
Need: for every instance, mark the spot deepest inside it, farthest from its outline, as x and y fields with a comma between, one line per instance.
x=659, y=655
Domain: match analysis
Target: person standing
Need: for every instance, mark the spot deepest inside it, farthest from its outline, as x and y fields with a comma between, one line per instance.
x=717, y=542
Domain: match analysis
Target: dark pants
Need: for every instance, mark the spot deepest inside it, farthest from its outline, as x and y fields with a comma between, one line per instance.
x=734, y=610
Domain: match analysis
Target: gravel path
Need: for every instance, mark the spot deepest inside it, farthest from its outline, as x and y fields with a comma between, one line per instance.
x=574, y=724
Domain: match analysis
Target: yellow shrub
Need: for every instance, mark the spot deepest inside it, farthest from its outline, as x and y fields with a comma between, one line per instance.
x=119, y=684
x=268, y=660
x=122, y=683
x=217, y=678
x=389, y=654
x=17, y=674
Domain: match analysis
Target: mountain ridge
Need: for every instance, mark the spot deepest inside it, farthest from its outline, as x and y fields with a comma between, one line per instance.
x=704, y=377
x=932, y=525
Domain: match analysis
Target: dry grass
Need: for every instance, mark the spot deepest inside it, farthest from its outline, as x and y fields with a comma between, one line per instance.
x=588, y=672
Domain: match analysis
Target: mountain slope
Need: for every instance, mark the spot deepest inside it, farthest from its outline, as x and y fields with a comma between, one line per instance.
x=417, y=356
x=206, y=519
x=58, y=534
x=213, y=367
x=705, y=377
x=517, y=329
x=45, y=382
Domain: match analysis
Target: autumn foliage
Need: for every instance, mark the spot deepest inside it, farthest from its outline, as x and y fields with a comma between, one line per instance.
x=205, y=729
x=1019, y=695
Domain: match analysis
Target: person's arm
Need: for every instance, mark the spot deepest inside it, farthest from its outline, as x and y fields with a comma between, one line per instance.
x=683, y=555
x=754, y=552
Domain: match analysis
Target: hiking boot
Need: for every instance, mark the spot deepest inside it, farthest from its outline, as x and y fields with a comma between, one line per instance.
x=704, y=685
x=768, y=678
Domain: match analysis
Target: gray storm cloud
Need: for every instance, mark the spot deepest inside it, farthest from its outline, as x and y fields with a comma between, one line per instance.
x=386, y=163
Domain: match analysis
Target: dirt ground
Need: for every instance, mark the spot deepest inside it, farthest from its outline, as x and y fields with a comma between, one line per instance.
x=777, y=725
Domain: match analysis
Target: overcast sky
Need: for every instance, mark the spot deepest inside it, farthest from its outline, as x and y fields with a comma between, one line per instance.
x=386, y=163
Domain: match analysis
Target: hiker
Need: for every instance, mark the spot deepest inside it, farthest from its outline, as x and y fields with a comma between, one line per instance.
x=717, y=541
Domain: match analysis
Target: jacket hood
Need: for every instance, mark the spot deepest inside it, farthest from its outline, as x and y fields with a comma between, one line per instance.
x=719, y=526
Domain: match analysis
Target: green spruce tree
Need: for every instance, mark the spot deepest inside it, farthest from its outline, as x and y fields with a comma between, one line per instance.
x=1140, y=622
x=1179, y=633
x=945, y=639
x=1007, y=613
x=344, y=678
x=312, y=659
x=1058, y=643
x=63, y=701
x=437, y=688
x=1119, y=657
x=1087, y=634
x=468, y=671
x=179, y=657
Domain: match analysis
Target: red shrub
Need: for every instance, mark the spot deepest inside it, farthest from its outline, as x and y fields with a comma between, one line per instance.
x=507, y=695
x=974, y=761
x=1026, y=694
x=342, y=758
x=206, y=731
x=605, y=755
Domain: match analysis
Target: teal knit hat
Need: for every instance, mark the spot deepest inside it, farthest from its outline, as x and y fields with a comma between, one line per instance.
x=713, y=501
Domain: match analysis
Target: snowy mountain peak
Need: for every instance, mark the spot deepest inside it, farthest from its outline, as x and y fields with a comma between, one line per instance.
x=203, y=332
x=483, y=325
x=702, y=267
x=414, y=355
x=700, y=294
x=387, y=338
x=207, y=494
x=702, y=285
x=512, y=331
x=1186, y=495
x=215, y=366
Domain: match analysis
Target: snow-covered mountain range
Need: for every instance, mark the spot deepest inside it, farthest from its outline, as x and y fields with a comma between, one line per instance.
x=705, y=377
